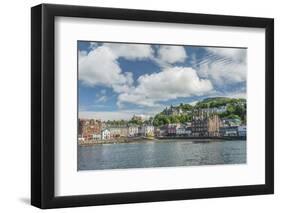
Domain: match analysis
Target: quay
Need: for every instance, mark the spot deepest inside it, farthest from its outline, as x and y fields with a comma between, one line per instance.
x=111, y=141
x=158, y=138
x=202, y=137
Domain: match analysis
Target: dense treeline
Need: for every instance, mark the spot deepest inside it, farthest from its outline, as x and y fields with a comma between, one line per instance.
x=235, y=109
x=161, y=119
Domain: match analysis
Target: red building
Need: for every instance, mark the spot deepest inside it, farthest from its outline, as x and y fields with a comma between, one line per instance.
x=88, y=127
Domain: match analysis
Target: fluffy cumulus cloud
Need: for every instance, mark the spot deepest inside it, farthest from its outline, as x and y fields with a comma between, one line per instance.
x=235, y=54
x=131, y=51
x=214, y=71
x=220, y=72
x=171, y=54
x=224, y=66
x=171, y=83
x=100, y=67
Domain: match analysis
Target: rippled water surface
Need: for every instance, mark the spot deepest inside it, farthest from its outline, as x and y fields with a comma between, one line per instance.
x=164, y=153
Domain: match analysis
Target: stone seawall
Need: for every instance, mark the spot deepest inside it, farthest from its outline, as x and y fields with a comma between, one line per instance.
x=203, y=137
x=110, y=141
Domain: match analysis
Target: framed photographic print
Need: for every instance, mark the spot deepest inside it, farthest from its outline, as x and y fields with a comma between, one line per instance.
x=139, y=106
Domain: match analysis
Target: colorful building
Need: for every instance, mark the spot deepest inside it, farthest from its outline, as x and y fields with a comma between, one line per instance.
x=133, y=131
x=88, y=127
x=147, y=130
x=205, y=124
x=105, y=134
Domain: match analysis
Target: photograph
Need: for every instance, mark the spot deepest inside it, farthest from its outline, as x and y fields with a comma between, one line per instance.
x=160, y=105
x=139, y=105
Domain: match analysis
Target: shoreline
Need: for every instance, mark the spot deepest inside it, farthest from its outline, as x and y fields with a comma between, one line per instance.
x=155, y=139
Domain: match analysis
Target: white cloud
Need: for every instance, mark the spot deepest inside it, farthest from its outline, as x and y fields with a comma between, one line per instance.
x=234, y=94
x=224, y=65
x=171, y=54
x=223, y=73
x=237, y=95
x=130, y=51
x=93, y=45
x=106, y=115
x=236, y=54
x=171, y=83
x=100, y=67
x=116, y=115
x=82, y=55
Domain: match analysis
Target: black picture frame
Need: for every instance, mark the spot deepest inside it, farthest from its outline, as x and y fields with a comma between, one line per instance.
x=43, y=105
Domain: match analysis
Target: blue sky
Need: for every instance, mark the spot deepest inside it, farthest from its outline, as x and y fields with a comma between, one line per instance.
x=118, y=80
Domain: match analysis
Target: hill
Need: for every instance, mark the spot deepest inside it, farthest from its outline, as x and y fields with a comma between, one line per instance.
x=232, y=108
x=218, y=101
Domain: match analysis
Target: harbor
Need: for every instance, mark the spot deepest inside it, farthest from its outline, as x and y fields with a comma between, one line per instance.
x=210, y=119
x=159, y=139
x=161, y=153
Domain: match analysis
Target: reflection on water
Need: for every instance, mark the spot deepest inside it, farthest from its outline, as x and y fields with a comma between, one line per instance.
x=168, y=153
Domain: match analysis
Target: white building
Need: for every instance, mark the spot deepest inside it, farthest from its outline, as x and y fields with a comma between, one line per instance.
x=147, y=130
x=229, y=131
x=242, y=130
x=105, y=134
x=96, y=136
x=180, y=130
x=188, y=131
x=183, y=131
x=219, y=109
x=133, y=131
x=115, y=132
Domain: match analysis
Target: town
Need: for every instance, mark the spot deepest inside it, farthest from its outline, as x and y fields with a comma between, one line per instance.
x=211, y=118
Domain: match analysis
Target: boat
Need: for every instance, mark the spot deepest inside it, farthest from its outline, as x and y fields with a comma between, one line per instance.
x=149, y=137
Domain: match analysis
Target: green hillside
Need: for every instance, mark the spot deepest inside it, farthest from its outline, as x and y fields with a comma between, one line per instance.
x=234, y=108
x=218, y=101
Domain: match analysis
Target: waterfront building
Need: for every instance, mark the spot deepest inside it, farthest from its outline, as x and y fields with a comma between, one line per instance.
x=124, y=131
x=188, y=131
x=172, y=129
x=115, y=132
x=118, y=131
x=157, y=132
x=231, y=122
x=183, y=131
x=105, y=134
x=147, y=130
x=133, y=131
x=180, y=130
x=229, y=131
x=96, y=136
x=162, y=131
x=205, y=124
x=242, y=130
x=88, y=127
